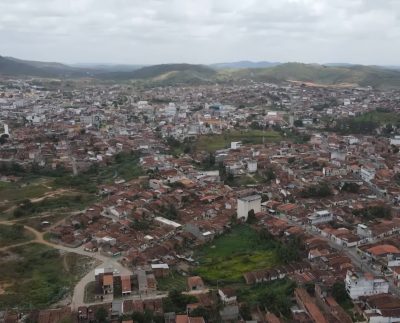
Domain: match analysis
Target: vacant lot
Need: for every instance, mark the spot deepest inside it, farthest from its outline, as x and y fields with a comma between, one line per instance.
x=174, y=281
x=37, y=276
x=12, y=193
x=212, y=143
x=124, y=166
x=234, y=253
x=64, y=203
x=13, y=234
x=380, y=117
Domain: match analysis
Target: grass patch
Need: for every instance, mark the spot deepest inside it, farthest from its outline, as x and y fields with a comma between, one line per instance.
x=174, y=281
x=125, y=166
x=37, y=276
x=10, y=193
x=380, y=117
x=90, y=292
x=13, y=234
x=212, y=143
x=70, y=202
x=36, y=222
x=229, y=256
x=275, y=296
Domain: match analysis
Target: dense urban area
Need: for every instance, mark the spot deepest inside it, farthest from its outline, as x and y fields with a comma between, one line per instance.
x=238, y=201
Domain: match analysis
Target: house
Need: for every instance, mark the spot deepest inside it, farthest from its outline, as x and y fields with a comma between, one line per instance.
x=245, y=204
x=382, y=308
x=82, y=313
x=367, y=174
x=227, y=295
x=90, y=246
x=142, y=280
x=187, y=319
x=364, y=284
x=229, y=313
x=364, y=232
x=126, y=285
x=319, y=217
x=236, y=144
x=305, y=302
x=252, y=166
x=116, y=308
x=195, y=283
x=108, y=283
x=160, y=270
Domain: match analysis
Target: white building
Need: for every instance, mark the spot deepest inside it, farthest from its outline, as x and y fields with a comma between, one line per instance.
x=236, y=144
x=227, y=295
x=170, y=110
x=367, y=174
x=245, y=204
x=395, y=141
x=364, y=284
x=167, y=222
x=320, y=217
x=364, y=232
x=252, y=166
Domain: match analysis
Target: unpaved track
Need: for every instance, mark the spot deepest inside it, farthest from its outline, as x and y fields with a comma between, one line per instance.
x=79, y=290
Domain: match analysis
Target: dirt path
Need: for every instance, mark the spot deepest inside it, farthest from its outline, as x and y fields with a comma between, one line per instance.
x=38, y=199
x=79, y=290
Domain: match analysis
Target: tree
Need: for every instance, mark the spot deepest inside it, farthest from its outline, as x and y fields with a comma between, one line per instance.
x=251, y=217
x=177, y=302
x=351, y=187
x=245, y=312
x=340, y=295
x=298, y=123
x=319, y=190
x=101, y=315
x=200, y=312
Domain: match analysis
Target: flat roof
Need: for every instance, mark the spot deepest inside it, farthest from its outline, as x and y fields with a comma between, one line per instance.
x=167, y=222
x=159, y=266
x=250, y=198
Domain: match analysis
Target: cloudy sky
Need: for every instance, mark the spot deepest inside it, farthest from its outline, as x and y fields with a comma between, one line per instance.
x=201, y=31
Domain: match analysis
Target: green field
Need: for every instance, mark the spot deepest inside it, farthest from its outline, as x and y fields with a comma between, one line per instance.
x=10, y=193
x=125, y=166
x=67, y=202
x=380, y=117
x=35, y=276
x=173, y=282
x=275, y=296
x=212, y=143
x=13, y=234
x=229, y=256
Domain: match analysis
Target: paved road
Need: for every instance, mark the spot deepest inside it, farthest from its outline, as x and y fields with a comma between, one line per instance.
x=355, y=258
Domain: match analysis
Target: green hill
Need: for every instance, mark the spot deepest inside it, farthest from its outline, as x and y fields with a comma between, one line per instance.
x=167, y=74
x=16, y=67
x=189, y=74
x=320, y=74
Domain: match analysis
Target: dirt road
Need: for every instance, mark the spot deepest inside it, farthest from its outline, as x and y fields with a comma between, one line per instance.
x=79, y=290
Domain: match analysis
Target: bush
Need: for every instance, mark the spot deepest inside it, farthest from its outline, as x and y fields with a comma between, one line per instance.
x=319, y=190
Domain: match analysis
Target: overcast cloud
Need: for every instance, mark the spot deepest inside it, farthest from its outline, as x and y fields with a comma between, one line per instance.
x=201, y=31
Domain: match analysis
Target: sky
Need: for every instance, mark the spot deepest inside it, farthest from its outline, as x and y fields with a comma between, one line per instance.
x=201, y=31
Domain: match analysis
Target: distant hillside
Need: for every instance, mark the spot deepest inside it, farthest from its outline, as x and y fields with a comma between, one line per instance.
x=243, y=64
x=17, y=67
x=103, y=68
x=329, y=75
x=166, y=73
x=171, y=74
x=42, y=65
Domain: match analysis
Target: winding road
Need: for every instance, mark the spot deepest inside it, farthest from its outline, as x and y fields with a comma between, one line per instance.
x=79, y=290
